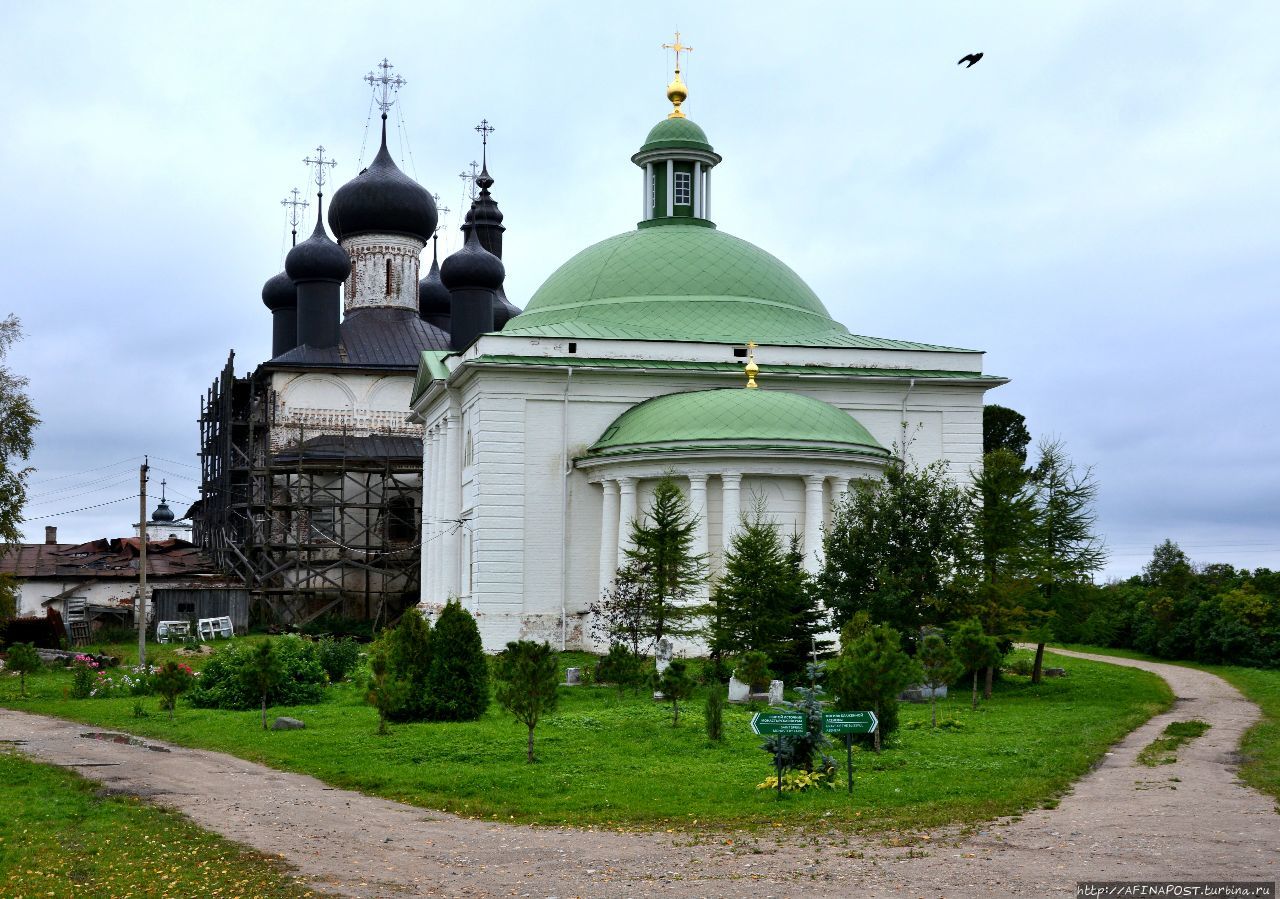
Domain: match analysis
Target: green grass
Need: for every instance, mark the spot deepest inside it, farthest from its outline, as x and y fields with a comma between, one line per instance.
x=1163, y=750
x=58, y=837
x=1260, y=747
x=617, y=762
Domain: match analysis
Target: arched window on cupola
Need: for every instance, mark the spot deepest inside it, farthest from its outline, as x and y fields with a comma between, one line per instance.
x=389, y=291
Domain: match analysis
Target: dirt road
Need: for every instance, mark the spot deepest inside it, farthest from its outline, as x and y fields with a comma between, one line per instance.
x=1192, y=820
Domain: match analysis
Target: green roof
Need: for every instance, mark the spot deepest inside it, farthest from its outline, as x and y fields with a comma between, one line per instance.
x=676, y=134
x=860, y=371
x=734, y=417
x=684, y=283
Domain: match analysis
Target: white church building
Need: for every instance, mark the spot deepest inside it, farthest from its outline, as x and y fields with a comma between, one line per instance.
x=542, y=442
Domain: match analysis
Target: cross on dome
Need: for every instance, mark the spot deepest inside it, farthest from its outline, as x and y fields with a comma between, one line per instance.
x=385, y=86
x=677, y=93
x=321, y=164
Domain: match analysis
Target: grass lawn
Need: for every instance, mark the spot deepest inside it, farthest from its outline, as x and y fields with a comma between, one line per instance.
x=618, y=762
x=1261, y=744
x=57, y=838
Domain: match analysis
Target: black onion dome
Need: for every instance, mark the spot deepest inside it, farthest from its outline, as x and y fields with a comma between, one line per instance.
x=317, y=259
x=383, y=200
x=473, y=266
x=279, y=292
x=433, y=296
x=162, y=513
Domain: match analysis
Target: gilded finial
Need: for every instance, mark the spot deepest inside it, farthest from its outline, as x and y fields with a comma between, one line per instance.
x=751, y=368
x=677, y=93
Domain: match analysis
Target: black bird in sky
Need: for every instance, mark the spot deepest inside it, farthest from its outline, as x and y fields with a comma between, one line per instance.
x=971, y=59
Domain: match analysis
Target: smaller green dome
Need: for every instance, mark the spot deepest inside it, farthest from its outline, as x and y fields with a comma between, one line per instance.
x=676, y=134
x=734, y=418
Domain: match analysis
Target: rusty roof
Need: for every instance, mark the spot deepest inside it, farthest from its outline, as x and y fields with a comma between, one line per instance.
x=115, y=557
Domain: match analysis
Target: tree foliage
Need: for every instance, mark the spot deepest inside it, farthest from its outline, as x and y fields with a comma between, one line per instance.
x=408, y=648
x=938, y=667
x=18, y=422
x=457, y=685
x=675, y=683
x=1005, y=429
x=900, y=549
x=665, y=564
x=870, y=672
x=764, y=599
x=171, y=681
x=620, y=667
x=622, y=616
x=975, y=650
x=262, y=672
x=23, y=659
x=528, y=676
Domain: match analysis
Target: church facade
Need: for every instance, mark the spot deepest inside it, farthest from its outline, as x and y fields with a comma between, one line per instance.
x=671, y=349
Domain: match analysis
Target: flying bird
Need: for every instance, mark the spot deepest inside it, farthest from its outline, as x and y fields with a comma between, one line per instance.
x=971, y=59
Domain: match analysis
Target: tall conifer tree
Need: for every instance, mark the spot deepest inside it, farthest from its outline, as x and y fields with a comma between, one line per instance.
x=662, y=556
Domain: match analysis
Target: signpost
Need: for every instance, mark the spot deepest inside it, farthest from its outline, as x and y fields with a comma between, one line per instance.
x=847, y=724
x=796, y=724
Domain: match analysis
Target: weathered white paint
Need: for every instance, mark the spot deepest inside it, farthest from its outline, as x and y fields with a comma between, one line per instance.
x=367, y=284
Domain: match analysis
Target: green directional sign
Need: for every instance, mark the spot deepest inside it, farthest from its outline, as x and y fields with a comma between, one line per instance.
x=849, y=722
x=789, y=723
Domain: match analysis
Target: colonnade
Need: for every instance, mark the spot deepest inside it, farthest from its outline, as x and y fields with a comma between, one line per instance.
x=619, y=510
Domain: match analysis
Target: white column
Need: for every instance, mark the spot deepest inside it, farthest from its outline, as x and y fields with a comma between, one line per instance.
x=437, y=544
x=648, y=191
x=813, y=522
x=671, y=187
x=452, y=504
x=428, y=485
x=698, y=508
x=839, y=487
x=706, y=194
x=608, y=534
x=696, y=186
x=731, y=511
x=626, y=514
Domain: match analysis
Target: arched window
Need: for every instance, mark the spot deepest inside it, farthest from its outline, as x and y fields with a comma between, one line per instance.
x=388, y=277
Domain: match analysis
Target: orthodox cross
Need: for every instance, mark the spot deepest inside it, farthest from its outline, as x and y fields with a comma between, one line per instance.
x=295, y=216
x=385, y=86
x=469, y=179
x=679, y=48
x=441, y=211
x=485, y=130
x=321, y=164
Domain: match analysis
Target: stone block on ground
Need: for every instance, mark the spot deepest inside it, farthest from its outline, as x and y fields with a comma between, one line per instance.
x=738, y=691
x=572, y=677
x=283, y=723
x=775, y=692
x=1055, y=672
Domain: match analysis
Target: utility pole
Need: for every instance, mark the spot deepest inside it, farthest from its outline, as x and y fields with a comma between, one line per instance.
x=141, y=607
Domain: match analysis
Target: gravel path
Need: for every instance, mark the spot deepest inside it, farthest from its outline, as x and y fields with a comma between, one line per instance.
x=1192, y=820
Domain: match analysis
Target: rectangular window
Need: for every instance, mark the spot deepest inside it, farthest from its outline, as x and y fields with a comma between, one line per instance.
x=684, y=188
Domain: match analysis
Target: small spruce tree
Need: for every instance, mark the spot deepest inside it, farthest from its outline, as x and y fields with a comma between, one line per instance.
x=715, y=714
x=23, y=659
x=262, y=672
x=457, y=687
x=408, y=649
x=974, y=649
x=381, y=688
x=528, y=676
x=171, y=681
x=939, y=665
x=675, y=683
x=669, y=570
x=620, y=667
x=870, y=672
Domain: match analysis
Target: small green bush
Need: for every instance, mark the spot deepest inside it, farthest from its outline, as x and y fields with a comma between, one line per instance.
x=408, y=658
x=171, y=681
x=223, y=683
x=715, y=715
x=621, y=667
x=84, y=676
x=338, y=657
x=752, y=668
x=675, y=684
x=23, y=659
x=458, y=679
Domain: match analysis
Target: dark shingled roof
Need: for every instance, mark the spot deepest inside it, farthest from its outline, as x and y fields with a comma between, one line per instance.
x=379, y=337
x=378, y=447
x=105, y=558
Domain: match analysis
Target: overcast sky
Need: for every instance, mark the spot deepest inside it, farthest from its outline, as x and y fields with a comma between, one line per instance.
x=1096, y=205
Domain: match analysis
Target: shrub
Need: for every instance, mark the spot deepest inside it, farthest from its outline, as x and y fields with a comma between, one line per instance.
x=621, y=667
x=458, y=679
x=23, y=659
x=172, y=680
x=222, y=683
x=135, y=682
x=408, y=657
x=338, y=657
x=753, y=669
x=84, y=675
x=715, y=715
x=261, y=672
x=870, y=673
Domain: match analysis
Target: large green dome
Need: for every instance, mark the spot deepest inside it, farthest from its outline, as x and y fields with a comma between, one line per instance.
x=734, y=417
x=679, y=282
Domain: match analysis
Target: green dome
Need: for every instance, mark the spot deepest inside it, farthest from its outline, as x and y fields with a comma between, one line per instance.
x=734, y=417
x=676, y=134
x=679, y=282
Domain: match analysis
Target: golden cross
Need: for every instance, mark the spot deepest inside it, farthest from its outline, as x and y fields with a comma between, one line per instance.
x=679, y=48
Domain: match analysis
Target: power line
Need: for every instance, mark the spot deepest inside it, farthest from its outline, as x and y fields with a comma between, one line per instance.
x=75, y=474
x=109, y=502
x=120, y=482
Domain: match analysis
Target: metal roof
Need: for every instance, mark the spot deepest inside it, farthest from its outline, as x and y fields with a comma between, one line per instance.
x=377, y=447
x=380, y=337
x=104, y=558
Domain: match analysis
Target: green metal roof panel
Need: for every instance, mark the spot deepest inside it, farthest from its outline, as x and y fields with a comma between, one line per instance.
x=731, y=416
x=677, y=133
x=684, y=283
x=765, y=370
x=431, y=367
